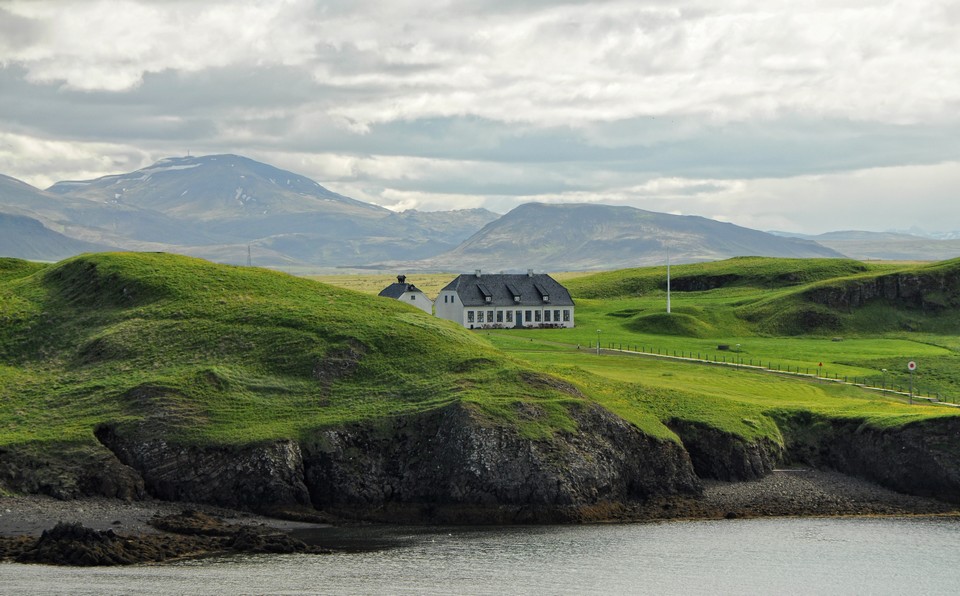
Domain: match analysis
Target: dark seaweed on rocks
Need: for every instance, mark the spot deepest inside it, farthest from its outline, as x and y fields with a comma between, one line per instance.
x=192, y=533
x=74, y=544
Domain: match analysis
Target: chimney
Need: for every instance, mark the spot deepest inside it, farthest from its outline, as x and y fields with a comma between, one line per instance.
x=529, y=272
x=477, y=272
x=401, y=279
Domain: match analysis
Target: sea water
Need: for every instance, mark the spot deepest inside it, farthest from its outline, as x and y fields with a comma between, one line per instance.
x=915, y=555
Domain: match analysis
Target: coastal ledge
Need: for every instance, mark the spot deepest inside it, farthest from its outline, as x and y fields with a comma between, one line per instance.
x=210, y=530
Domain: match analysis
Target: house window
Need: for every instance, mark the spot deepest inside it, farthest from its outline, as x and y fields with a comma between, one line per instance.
x=537, y=315
x=556, y=315
x=509, y=316
x=489, y=316
x=566, y=316
x=445, y=299
x=546, y=316
x=529, y=316
x=479, y=316
x=469, y=316
x=499, y=316
x=413, y=296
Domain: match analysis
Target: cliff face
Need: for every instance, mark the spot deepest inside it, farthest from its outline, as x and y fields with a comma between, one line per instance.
x=446, y=464
x=453, y=465
x=921, y=458
x=450, y=459
x=250, y=477
x=68, y=472
x=720, y=455
x=927, y=291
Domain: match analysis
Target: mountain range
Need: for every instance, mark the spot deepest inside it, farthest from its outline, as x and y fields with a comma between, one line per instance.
x=229, y=208
x=888, y=246
x=594, y=237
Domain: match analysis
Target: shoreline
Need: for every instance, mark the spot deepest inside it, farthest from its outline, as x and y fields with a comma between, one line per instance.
x=799, y=492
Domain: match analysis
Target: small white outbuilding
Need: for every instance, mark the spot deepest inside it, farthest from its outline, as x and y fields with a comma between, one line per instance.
x=409, y=294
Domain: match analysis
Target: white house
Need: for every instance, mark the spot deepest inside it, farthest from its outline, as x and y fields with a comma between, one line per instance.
x=505, y=300
x=408, y=293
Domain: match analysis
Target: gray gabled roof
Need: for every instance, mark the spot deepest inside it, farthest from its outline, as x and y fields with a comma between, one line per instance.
x=502, y=287
x=395, y=290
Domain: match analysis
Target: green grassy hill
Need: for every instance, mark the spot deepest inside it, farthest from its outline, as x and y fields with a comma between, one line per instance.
x=764, y=296
x=752, y=272
x=211, y=353
x=791, y=313
x=152, y=355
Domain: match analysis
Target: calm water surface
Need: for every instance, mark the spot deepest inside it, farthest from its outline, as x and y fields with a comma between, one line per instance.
x=764, y=556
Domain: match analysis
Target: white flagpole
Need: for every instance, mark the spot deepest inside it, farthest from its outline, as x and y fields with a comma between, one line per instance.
x=668, y=281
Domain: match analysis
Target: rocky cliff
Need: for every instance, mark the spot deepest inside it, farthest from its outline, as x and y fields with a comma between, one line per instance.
x=931, y=290
x=453, y=465
x=720, y=455
x=249, y=477
x=449, y=464
x=920, y=458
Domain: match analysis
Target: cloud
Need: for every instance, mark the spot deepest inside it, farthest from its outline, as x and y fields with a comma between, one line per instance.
x=467, y=102
x=43, y=162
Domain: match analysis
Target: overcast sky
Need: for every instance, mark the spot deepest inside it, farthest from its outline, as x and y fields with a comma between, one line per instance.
x=798, y=115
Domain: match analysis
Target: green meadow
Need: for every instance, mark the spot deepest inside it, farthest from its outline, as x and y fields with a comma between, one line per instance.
x=199, y=353
x=739, y=303
x=749, y=305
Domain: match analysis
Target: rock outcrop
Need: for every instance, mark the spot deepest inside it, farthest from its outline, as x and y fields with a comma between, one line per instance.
x=246, y=477
x=448, y=463
x=720, y=455
x=74, y=544
x=930, y=291
x=455, y=464
x=921, y=458
x=189, y=533
x=69, y=472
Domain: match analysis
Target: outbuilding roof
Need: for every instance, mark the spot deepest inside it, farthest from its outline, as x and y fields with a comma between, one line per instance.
x=395, y=290
x=509, y=289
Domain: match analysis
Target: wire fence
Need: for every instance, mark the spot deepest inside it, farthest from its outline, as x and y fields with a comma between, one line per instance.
x=725, y=357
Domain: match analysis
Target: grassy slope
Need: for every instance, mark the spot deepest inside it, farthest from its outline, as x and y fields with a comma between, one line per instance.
x=712, y=308
x=708, y=309
x=216, y=354
x=749, y=301
x=737, y=400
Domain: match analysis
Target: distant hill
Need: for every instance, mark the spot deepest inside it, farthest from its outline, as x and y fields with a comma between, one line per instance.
x=224, y=207
x=594, y=237
x=101, y=222
x=215, y=187
x=231, y=199
x=889, y=246
x=26, y=238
